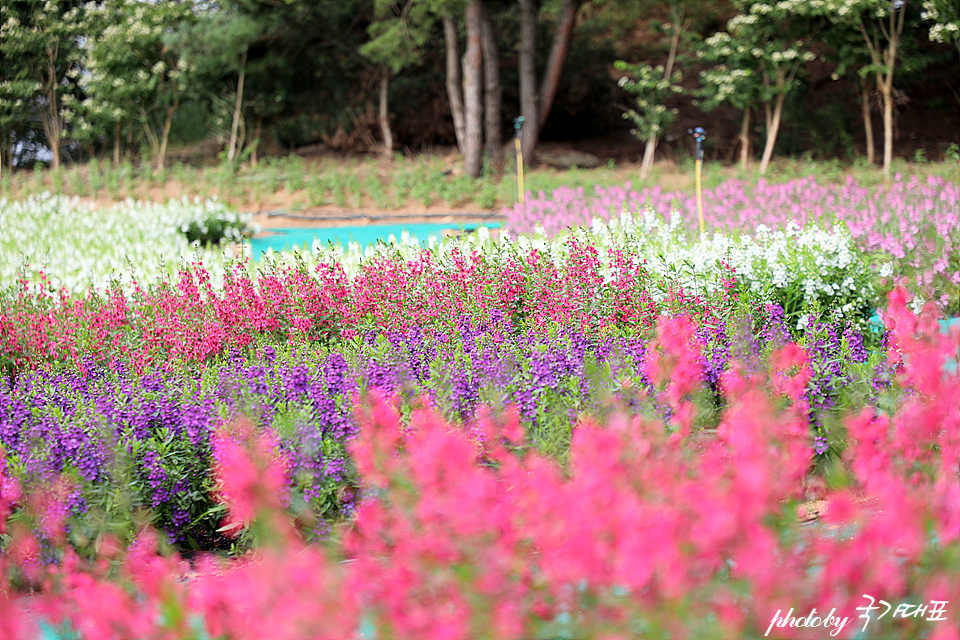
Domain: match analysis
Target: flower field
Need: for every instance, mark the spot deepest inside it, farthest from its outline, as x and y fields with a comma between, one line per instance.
x=596, y=425
x=912, y=223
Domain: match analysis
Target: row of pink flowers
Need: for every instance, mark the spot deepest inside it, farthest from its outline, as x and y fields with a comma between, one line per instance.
x=189, y=320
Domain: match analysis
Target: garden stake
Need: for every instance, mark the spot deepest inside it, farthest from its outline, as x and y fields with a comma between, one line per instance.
x=699, y=134
x=518, y=134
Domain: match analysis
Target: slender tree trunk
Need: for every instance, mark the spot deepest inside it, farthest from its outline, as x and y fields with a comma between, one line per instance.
x=10, y=150
x=454, y=86
x=116, y=143
x=896, y=29
x=385, y=131
x=558, y=57
x=865, y=99
x=55, y=144
x=886, y=90
x=648, y=154
x=529, y=100
x=4, y=141
x=650, y=150
x=165, y=136
x=237, y=110
x=678, y=26
x=472, y=90
x=745, y=138
x=773, y=126
x=886, y=60
x=6, y=148
x=151, y=134
x=256, y=141
x=493, y=92
x=242, y=133
x=50, y=120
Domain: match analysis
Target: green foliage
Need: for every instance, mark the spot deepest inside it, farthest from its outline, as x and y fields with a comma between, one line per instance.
x=215, y=230
x=135, y=75
x=40, y=62
x=399, y=32
x=649, y=88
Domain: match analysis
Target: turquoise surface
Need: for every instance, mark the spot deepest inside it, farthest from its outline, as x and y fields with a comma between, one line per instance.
x=285, y=239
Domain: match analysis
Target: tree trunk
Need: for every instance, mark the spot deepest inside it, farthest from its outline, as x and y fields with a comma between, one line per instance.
x=151, y=134
x=10, y=149
x=472, y=89
x=6, y=148
x=53, y=137
x=885, y=61
x=256, y=141
x=745, y=139
x=50, y=120
x=648, y=153
x=529, y=101
x=237, y=110
x=886, y=90
x=867, y=121
x=493, y=93
x=385, y=131
x=165, y=137
x=242, y=134
x=454, y=86
x=558, y=57
x=773, y=126
x=896, y=29
x=116, y=144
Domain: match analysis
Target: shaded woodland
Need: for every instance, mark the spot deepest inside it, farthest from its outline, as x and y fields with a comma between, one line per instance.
x=625, y=79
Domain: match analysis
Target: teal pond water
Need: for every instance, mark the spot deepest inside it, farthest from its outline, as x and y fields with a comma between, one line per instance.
x=286, y=239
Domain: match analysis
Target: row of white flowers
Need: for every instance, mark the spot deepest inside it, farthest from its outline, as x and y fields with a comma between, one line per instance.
x=78, y=245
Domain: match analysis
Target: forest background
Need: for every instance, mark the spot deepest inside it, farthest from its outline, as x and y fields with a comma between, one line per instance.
x=201, y=80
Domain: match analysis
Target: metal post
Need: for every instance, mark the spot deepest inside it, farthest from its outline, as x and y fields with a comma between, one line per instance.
x=699, y=134
x=518, y=135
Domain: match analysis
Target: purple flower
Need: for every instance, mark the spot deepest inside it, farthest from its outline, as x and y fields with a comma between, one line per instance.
x=155, y=476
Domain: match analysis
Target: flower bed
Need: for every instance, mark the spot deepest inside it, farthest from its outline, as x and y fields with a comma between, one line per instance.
x=612, y=279
x=148, y=435
x=645, y=531
x=608, y=433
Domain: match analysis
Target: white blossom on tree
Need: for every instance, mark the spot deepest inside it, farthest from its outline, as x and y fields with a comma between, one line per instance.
x=759, y=57
x=133, y=71
x=945, y=15
x=39, y=58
